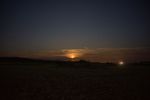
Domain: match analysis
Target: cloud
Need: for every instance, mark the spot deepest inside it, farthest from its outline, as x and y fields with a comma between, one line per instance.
x=112, y=54
x=78, y=52
x=98, y=54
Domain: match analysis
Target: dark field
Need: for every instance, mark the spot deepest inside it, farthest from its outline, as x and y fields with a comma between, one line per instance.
x=74, y=81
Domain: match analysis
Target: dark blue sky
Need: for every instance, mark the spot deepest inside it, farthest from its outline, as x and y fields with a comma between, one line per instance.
x=38, y=25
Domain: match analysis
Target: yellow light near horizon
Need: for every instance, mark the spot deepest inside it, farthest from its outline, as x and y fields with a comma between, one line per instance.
x=71, y=55
x=121, y=63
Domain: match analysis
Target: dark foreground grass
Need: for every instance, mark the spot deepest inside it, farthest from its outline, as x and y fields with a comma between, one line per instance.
x=74, y=82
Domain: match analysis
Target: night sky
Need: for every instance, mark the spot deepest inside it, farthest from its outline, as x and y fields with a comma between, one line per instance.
x=95, y=29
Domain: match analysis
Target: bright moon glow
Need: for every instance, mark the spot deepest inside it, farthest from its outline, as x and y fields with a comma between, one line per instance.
x=71, y=55
x=121, y=63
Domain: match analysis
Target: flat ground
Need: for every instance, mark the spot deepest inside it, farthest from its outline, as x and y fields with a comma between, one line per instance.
x=74, y=82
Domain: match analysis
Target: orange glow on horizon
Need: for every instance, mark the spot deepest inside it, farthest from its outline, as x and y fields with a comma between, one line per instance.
x=71, y=55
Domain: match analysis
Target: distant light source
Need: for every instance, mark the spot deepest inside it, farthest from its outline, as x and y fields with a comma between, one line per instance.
x=72, y=56
x=120, y=63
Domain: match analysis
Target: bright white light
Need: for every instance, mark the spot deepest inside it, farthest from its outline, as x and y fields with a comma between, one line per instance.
x=121, y=63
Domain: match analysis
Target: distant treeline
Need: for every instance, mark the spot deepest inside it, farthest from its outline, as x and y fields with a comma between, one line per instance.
x=21, y=60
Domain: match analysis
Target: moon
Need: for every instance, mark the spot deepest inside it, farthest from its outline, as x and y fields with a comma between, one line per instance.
x=121, y=63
